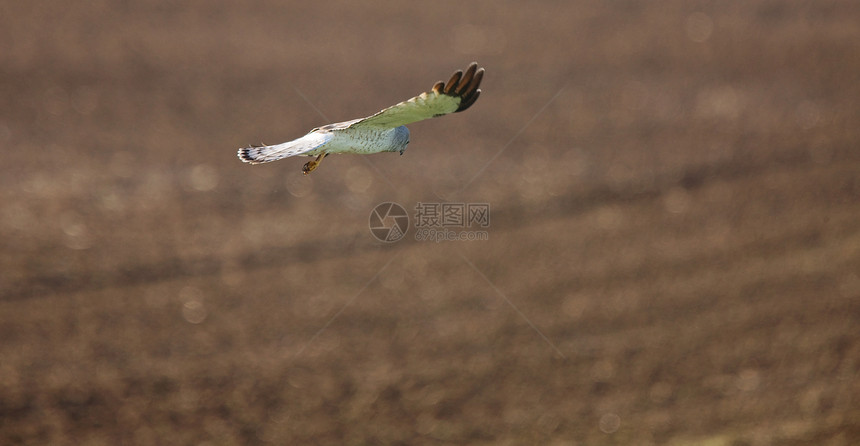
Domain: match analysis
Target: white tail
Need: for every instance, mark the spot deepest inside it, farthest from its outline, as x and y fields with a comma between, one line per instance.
x=265, y=154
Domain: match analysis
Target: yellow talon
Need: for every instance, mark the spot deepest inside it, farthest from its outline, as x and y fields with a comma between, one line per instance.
x=310, y=166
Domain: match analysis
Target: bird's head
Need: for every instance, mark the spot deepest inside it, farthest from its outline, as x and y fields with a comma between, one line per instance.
x=401, y=139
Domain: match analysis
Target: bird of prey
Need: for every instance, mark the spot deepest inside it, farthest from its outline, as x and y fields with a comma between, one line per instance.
x=384, y=131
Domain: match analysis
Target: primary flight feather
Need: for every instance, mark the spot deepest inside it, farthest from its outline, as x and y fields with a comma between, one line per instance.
x=384, y=131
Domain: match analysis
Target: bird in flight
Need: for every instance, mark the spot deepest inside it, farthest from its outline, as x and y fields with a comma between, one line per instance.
x=384, y=131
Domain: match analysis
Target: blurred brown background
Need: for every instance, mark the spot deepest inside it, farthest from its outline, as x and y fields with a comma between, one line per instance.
x=673, y=256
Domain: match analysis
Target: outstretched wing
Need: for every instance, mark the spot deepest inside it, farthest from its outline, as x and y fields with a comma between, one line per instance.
x=265, y=154
x=458, y=94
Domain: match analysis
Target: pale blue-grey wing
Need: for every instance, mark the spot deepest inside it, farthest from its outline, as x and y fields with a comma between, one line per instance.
x=265, y=154
x=458, y=94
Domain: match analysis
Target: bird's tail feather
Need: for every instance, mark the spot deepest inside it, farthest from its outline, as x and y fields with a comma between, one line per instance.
x=264, y=154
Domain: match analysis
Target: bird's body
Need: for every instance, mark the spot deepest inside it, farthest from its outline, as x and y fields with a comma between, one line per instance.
x=367, y=141
x=384, y=131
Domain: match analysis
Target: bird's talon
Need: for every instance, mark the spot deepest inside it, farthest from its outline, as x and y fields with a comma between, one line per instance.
x=310, y=166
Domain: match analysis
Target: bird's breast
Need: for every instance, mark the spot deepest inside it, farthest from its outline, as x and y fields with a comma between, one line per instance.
x=361, y=141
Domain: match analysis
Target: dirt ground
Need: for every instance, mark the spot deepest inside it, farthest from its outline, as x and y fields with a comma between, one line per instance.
x=673, y=251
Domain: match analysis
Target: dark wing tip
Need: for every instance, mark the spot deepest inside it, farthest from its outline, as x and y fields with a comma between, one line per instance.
x=452, y=84
x=467, y=78
x=467, y=102
x=463, y=85
x=470, y=91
